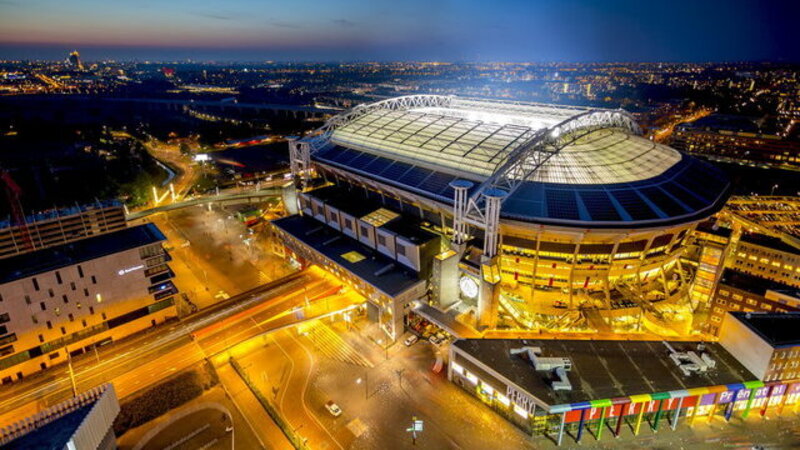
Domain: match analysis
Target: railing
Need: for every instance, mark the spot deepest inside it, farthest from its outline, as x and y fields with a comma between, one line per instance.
x=294, y=439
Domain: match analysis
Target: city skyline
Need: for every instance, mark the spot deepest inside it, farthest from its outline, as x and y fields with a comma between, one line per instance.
x=575, y=31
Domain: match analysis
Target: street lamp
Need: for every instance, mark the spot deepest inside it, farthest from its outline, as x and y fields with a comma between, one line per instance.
x=366, y=385
x=772, y=192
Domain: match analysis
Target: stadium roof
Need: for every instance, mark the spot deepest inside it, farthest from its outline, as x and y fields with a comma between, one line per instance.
x=562, y=165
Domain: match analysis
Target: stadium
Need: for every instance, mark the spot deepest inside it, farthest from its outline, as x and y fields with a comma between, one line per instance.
x=505, y=215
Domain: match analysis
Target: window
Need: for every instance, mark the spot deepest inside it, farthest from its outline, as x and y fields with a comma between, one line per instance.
x=381, y=240
x=41, y=338
x=51, y=293
x=80, y=271
x=63, y=330
x=94, y=280
x=49, y=325
x=58, y=277
x=53, y=356
x=72, y=285
x=65, y=298
x=85, y=292
x=28, y=299
x=91, y=310
x=35, y=283
x=43, y=306
x=1, y=297
x=364, y=231
x=401, y=250
x=751, y=301
x=33, y=319
x=103, y=315
x=83, y=322
x=71, y=317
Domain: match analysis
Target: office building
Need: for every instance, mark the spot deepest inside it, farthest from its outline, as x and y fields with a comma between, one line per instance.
x=72, y=297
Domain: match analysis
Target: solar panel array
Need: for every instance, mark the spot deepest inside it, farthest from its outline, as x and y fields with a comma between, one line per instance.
x=437, y=141
x=420, y=179
x=682, y=190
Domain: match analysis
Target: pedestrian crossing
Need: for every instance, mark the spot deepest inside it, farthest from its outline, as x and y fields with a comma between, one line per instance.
x=330, y=344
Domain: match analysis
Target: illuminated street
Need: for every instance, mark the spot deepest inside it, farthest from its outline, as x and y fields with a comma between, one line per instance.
x=396, y=225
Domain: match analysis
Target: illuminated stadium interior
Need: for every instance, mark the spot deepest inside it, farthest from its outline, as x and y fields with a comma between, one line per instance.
x=594, y=212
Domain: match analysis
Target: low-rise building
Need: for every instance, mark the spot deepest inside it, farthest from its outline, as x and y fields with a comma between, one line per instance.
x=767, y=344
x=767, y=257
x=742, y=292
x=71, y=297
x=736, y=139
x=559, y=388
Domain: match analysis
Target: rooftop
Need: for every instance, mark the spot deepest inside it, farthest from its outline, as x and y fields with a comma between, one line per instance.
x=777, y=329
x=770, y=242
x=380, y=271
x=604, y=369
x=756, y=284
x=605, y=173
x=45, y=260
x=372, y=212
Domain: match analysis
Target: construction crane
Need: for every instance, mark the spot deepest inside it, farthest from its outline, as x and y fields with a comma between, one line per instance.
x=13, y=194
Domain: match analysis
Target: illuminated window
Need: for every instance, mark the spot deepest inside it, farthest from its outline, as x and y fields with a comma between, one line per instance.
x=502, y=399
x=471, y=377
x=457, y=368
x=353, y=257
x=99, y=297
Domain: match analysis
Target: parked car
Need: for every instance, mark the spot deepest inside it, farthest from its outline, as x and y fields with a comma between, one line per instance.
x=333, y=408
x=411, y=340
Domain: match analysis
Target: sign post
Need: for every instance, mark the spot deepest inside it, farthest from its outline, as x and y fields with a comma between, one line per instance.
x=416, y=426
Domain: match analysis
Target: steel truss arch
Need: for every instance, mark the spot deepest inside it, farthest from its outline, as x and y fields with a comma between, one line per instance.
x=531, y=155
x=321, y=135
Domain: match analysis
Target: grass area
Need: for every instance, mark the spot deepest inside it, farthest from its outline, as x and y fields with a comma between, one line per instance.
x=164, y=397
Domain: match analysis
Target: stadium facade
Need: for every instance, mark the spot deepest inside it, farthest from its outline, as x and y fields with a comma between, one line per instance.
x=539, y=211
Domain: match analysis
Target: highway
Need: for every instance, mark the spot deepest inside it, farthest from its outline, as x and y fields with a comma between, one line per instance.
x=137, y=361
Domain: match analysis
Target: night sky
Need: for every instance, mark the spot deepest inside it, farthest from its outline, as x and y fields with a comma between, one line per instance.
x=454, y=30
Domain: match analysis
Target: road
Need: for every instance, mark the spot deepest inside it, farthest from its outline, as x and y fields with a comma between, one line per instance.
x=319, y=296
x=216, y=255
x=135, y=362
x=378, y=390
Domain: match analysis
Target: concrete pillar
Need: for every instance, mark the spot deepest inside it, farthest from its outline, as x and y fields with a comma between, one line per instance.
x=561, y=429
x=460, y=188
x=489, y=293
x=677, y=414
x=445, y=277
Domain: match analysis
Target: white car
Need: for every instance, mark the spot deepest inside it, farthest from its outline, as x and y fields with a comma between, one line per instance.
x=411, y=340
x=333, y=408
